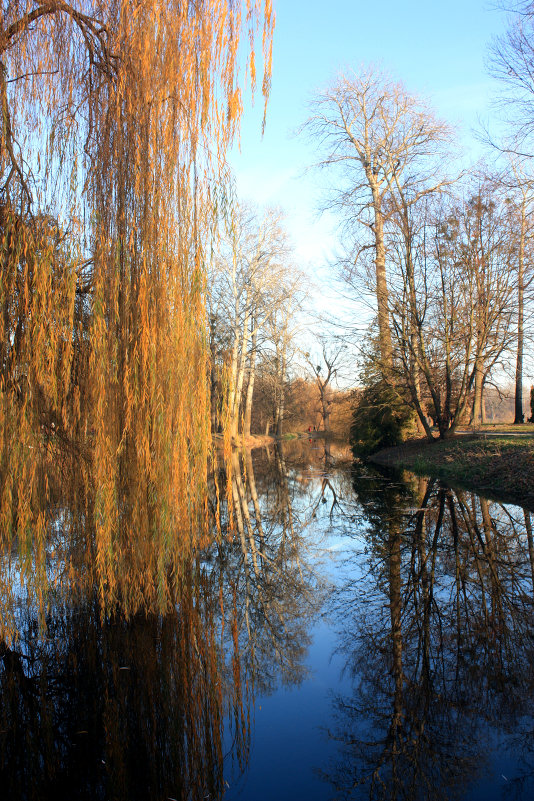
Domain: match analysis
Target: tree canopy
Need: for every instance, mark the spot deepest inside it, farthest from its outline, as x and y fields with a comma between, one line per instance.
x=116, y=117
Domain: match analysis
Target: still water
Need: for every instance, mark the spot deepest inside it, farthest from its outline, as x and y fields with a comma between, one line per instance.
x=363, y=636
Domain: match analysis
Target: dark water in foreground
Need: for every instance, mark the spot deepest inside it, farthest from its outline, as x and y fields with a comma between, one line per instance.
x=363, y=636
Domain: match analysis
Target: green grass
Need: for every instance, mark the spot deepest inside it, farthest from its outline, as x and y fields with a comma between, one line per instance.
x=507, y=428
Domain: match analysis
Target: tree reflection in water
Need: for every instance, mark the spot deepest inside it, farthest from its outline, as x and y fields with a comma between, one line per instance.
x=267, y=570
x=119, y=709
x=160, y=705
x=435, y=628
x=439, y=640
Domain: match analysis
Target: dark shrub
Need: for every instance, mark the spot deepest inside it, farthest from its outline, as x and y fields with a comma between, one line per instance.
x=381, y=419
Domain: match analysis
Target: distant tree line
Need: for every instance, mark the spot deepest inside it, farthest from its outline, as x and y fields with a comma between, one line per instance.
x=262, y=378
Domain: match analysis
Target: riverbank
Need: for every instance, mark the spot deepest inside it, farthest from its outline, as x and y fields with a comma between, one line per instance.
x=500, y=466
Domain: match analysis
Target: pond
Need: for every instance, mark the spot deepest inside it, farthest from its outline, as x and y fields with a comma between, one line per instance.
x=363, y=635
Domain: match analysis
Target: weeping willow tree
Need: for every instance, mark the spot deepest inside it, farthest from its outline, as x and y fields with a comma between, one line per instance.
x=116, y=117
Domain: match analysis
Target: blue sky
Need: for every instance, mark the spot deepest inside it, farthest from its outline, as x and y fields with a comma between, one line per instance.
x=438, y=49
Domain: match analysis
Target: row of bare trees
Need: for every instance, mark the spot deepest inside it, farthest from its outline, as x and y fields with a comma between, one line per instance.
x=262, y=378
x=453, y=310
x=445, y=256
x=254, y=293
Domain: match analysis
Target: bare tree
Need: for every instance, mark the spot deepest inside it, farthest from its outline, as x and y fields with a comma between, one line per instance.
x=512, y=63
x=379, y=137
x=517, y=185
x=458, y=301
x=330, y=358
x=251, y=283
x=283, y=326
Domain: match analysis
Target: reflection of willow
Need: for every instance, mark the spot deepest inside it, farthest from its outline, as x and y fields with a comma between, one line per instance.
x=145, y=705
x=441, y=648
x=264, y=568
x=63, y=550
x=121, y=710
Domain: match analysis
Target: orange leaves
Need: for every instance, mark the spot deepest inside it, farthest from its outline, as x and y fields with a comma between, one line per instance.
x=125, y=115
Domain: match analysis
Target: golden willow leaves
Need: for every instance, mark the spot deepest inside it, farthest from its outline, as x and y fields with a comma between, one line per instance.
x=116, y=117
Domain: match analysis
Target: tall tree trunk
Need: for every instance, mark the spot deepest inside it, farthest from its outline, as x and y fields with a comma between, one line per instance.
x=326, y=414
x=414, y=371
x=519, y=416
x=280, y=390
x=240, y=377
x=213, y=377
x=477, y=417
x=232, y=378
x=382, y=295
x=325, y=404
x=250, y=386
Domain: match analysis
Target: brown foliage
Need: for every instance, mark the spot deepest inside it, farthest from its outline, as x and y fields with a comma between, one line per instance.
x=116, y=119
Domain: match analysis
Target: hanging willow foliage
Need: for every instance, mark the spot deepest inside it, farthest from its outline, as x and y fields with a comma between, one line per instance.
x=116, y=117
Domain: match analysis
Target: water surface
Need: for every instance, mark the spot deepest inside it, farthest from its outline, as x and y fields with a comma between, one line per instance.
x=363, y=635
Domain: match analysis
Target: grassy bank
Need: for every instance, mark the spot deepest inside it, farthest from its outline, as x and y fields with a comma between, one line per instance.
x=498, y=466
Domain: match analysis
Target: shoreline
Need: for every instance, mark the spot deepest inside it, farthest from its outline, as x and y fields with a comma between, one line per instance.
x=498, y=466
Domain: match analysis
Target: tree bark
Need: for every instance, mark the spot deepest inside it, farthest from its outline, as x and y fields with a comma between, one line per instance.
x=250, y=386
x=382, y=297
x=326, y=409
x=213, y=377
x=519, y=415
x=280, y=390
